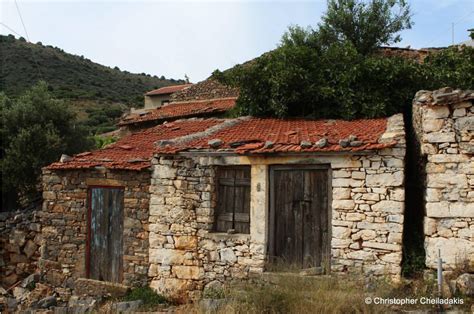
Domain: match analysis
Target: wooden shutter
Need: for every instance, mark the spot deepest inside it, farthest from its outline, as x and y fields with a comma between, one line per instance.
x=233, y=199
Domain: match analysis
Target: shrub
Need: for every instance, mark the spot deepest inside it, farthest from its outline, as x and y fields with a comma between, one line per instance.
x=147, y=295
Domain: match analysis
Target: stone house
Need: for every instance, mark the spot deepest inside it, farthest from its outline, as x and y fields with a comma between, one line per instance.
x=444, y=125
x=193, y=202
x=160, y=97
x=208, y=98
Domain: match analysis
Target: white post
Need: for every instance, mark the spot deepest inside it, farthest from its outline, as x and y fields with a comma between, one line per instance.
x=440, y=274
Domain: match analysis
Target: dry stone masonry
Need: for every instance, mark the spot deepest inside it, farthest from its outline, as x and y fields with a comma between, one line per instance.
x=64, y=224
x=20, y=240
x=444, y=124
x=367, y=216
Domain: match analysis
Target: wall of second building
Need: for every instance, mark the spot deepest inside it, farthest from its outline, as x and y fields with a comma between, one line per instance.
x=156, y=101
x=64, y=224
x=446, y=135
x=186, y=256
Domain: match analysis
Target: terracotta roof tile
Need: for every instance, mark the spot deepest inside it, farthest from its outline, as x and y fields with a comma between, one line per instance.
x=249, y=136
x=135, y=151
x=181, y=110
x=167, y=89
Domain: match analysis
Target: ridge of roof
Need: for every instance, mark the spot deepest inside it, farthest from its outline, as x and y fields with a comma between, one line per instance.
x=167, y=89
x=176, y=110
x=270, y=135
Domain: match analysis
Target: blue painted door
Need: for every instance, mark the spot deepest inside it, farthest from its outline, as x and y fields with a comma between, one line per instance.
x=106, y=234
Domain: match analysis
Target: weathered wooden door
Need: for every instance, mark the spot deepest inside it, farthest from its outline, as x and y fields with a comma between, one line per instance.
x=105, y=234
x=299, y=216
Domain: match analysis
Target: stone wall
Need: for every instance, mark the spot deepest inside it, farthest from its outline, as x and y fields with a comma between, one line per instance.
x=444, y=123
x=367, y=217
x=20, y=239
x=184, y=254
x=64, y=224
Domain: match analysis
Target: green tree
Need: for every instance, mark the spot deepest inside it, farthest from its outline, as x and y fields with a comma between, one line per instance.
x=306, y=78
x=366, y=24
x=36, y=129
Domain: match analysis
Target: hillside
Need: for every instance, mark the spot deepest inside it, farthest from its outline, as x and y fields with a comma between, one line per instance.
x=69, y=76
x=99, y=94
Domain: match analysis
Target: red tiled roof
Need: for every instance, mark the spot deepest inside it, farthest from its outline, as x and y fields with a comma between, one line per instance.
x=182, y=110
x=167, y=89
x=249, y=136
x=135, y=151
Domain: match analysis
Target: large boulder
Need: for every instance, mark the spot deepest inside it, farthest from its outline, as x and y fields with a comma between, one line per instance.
x=465, y=284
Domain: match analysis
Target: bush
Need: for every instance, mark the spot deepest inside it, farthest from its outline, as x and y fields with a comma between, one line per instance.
x=304, y=77
x=36, y=129
x=147, y=295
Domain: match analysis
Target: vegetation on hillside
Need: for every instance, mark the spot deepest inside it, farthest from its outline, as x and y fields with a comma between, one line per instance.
x=36, y=129
x=70, y=76
x=334, y=72
x=98, y=94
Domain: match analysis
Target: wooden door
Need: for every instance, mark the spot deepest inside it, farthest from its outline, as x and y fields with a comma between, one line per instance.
x=105, y=257
x=299, y=216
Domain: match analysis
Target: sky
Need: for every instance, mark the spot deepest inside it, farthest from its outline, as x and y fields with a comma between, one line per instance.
x=174, y=38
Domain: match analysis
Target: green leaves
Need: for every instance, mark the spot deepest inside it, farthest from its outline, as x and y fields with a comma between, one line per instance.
x=36, y=129
x=305, y=78
x=365, y=24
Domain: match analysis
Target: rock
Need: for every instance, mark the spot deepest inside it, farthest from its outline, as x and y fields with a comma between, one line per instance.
x=128, y=306
x=166, y=256
x=385, y=179
x=321, y=143
x=352, y=138
x=465, y=284
x=305, y=144
x=188, y=272
x=439, y=137
x=213, y=285
x=389, y=206
x=341, y=232
x=10, y=279
x=12, y=304
x=185, y=242
x=343, y=204
x=382, y=246
x=30, y=248
x=77, y=305
x=20, y=293
x=361, y=255
x=344, y=143
x=228, y=256
x=214, y=143
x=18, y=238
x=65, y=158
x=29, y=281
x=47, y=302
x=453, y=251
x=356, y=143
x=2, y=291
x=268, y=144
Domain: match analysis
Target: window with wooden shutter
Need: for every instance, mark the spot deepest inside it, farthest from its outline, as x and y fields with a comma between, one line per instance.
x=232, y=213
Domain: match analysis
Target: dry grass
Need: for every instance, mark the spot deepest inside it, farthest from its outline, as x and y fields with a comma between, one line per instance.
x=290, y=293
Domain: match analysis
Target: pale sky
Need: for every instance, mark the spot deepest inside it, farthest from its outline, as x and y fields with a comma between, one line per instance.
x=174, y=38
